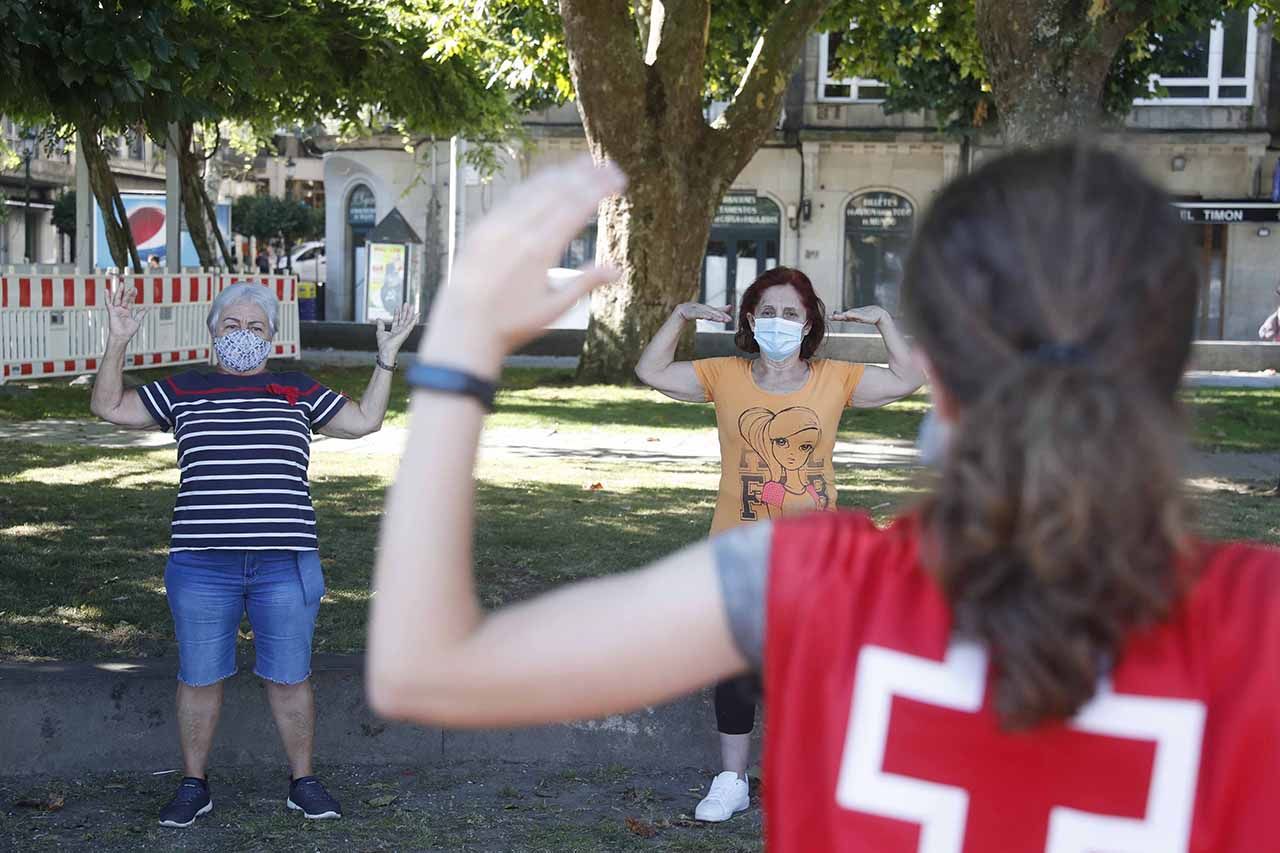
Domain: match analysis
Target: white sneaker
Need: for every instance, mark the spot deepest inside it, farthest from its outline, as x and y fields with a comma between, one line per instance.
x=729, y=795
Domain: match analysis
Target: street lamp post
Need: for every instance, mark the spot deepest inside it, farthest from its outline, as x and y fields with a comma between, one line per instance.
x=28, y=151
x=290, y=167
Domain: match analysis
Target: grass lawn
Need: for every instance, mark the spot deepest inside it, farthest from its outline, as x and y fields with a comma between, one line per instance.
x=1224, y=419
x=84, y=532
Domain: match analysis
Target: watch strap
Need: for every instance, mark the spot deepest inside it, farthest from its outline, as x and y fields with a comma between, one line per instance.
x=377, y=359
x=448, y=380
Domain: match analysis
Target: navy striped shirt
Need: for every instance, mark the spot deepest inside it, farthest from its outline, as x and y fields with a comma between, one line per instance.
x=244, y=443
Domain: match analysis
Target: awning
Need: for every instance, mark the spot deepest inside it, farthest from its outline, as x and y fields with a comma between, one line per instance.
x=17, y=202
x=1226, y=211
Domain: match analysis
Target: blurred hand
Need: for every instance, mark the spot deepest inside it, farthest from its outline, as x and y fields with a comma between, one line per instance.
x=123, y=320
x=698, y=311
x=872, y=315
x=500, y=295
x=391, y=338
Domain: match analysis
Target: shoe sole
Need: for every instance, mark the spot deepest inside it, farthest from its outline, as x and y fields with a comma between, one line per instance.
x=308, y=815
x=208, y=807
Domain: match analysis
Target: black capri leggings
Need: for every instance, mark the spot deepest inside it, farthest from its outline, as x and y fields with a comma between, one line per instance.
x=735, y=703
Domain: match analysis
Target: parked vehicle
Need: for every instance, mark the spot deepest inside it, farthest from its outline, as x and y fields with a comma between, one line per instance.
x=308, y=262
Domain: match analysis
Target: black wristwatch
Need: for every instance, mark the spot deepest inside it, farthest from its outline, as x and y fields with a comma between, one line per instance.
x=433, y=377
x=377, y=359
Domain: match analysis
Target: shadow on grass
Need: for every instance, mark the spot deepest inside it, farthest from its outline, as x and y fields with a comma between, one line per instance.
x=84, y=561
x=84, y=537
x=1236, y=419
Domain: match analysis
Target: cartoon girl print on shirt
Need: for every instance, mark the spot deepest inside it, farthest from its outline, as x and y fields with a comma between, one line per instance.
x=785, y=441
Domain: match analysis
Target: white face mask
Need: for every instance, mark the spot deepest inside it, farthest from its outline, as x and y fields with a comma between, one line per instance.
x=241, y=350
x=778, y=338
x=934, y=439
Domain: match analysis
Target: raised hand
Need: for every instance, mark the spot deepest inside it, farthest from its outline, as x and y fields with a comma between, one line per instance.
x=499, y=295
x=123, y=320
x=698, y=311
x=391, y=336
x=872, y=315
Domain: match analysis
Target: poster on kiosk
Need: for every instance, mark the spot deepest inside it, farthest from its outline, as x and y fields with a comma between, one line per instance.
x=384, y=284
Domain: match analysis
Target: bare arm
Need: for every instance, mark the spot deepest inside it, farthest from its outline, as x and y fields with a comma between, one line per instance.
x=588, y=649
x=658, y=367
x=110, y=400
x=361, y=418
x=880, y=385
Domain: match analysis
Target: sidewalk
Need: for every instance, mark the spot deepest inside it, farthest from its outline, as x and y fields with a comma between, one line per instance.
x=595, y=444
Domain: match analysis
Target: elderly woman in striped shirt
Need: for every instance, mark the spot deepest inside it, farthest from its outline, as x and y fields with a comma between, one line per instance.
x=244, y=533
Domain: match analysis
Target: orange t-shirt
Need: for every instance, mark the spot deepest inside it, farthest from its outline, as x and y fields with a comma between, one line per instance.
x=775, y=449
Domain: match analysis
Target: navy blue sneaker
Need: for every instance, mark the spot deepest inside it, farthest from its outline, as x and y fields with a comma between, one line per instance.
x=191, y=801
x=308, y=796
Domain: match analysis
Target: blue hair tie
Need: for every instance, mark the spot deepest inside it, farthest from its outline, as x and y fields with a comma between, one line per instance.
x=1060, y=354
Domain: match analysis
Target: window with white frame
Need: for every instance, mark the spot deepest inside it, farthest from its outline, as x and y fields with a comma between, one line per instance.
x=1213, y=68
x=844, y=90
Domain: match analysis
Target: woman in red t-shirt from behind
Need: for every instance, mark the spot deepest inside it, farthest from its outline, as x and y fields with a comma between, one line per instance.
x=1042, y=657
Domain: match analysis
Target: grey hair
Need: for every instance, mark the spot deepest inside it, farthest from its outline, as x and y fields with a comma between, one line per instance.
x=261, y=296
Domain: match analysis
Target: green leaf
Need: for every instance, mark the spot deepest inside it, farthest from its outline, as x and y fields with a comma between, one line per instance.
x=71, y=74
x=101, y=50
x=141, y=69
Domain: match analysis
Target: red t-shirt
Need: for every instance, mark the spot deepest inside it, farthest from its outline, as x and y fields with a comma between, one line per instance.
x=882, y=738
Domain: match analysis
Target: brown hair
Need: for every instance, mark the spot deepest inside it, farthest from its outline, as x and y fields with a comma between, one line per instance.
x=1054, y=293
x=814, y=310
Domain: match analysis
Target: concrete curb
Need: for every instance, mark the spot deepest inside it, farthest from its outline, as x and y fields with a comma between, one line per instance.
x=70, y=718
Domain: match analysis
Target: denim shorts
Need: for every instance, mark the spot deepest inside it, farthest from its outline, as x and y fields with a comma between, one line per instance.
x=210, y=591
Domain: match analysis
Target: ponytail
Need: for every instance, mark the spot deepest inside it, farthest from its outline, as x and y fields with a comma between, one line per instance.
x=1055, y=528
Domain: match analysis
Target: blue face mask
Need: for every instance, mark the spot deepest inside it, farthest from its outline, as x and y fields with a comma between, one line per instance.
x=778, y=338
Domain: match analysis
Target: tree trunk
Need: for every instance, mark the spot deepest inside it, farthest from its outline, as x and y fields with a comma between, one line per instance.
x=105, y=190
x=212, y=212
x=193, y=198
x=209, y=189
x=657, y=234
x=1049, y=60
x=640, y=96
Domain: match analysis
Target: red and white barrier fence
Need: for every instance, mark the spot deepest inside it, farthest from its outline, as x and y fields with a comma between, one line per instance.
x=57, y=325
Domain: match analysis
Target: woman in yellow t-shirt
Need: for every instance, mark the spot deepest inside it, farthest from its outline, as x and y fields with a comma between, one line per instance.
x=777, y=417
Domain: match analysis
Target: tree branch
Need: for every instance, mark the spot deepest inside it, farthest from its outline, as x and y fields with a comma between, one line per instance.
x=1048, y=60
x=753, y=112
x=212, y=151
x=608, y=73
x=678, y=49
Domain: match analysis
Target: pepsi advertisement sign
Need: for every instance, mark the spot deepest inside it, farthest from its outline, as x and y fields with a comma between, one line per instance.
x=147, y=215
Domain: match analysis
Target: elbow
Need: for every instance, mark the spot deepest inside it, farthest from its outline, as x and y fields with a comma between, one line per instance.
x=644, y=374
x=409, y=697
x=386, y=695
x=103, y=411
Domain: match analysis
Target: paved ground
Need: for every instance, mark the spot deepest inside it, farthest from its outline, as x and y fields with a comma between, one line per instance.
x=600, y=445
x=1234, y=379
x=489, y=806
